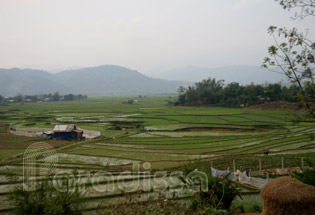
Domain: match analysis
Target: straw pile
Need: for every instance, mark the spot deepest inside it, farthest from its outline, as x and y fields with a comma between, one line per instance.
x=288, y=196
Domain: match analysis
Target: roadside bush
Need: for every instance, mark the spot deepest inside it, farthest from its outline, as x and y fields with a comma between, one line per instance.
x=307, y=176
x=221, y=192
x=247, y=207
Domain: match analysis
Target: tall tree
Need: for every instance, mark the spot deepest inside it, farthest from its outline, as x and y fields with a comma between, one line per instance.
x=293, y=53
x=56, y=96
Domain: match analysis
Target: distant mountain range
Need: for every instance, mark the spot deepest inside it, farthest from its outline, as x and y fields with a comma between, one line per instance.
x=92, y=81
x=116, y=80
x=241, y=74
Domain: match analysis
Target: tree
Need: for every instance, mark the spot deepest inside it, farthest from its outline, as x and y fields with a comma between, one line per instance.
x=56, y=96
x=79, y=97
x=181, y=95
x=307, y=7
x=293, y=53
x=18, y=98
x=212, y=92
x=69, y=97
x=274, y=92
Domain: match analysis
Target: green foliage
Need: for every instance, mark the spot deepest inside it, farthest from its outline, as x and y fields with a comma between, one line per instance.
x=294, y=57
x=307, y=176
x=221, y=192
x=191, y=166
x=212, y=92
x=212, y=211
x=217, y=199
x=250, y=208
x=46, y=200
x=306, y=7
x=159, y=206
x=309, y=161
x=163, y=206
x=248, y=204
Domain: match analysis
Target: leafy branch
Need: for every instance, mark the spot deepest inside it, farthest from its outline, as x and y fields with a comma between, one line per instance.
x=306, y=7
x=295, y=59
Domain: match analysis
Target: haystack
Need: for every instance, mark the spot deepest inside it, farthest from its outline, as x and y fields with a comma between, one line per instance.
x=288, y=196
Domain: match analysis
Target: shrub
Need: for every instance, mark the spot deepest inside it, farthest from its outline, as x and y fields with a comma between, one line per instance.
x=307, y=176
x=249, y=204
x=221, y=192
x=212, y=211
x=151, y=206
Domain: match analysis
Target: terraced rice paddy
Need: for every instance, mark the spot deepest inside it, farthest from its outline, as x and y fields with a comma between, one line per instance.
x=146, y=137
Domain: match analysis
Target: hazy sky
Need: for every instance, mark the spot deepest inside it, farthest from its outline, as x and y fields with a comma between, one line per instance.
x=150, y=36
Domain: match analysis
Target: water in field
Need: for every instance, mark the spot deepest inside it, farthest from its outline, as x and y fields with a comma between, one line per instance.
x=104, y=161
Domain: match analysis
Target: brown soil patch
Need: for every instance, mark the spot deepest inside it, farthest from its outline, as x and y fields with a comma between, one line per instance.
x=277, y=105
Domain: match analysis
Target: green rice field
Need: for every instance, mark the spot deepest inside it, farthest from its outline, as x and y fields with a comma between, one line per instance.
x=152, y=136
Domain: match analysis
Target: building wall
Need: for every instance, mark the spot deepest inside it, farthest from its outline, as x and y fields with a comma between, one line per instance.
x=63, y=135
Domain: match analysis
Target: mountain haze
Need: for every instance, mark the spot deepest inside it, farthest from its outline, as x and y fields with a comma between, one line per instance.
x=27, y=81
x=240, y=74
x=117, y=80
x=108, y=79
x=93, y=81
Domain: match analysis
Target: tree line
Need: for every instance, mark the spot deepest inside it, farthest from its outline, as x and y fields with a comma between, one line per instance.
x=42, y=98
x=213, y=92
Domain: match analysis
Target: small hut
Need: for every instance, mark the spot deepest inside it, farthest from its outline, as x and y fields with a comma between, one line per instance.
x=67, y=132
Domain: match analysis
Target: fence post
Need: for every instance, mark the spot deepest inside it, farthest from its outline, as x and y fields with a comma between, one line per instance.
x=211, y=168
x=282, y=164
x=302, y=162
x=234, y=169
x=260, y=166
